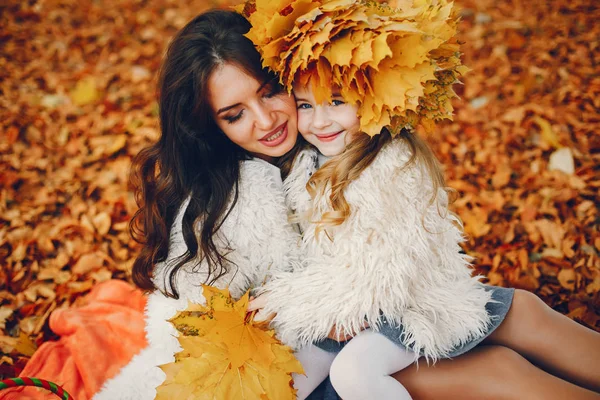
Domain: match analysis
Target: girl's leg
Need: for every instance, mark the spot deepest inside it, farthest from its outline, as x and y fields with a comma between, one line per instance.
x=362, y=369
x=487, y=372
x=316, y=363
x=551, y=340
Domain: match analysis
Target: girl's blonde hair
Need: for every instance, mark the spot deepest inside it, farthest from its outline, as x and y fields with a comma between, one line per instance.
x=341, y=170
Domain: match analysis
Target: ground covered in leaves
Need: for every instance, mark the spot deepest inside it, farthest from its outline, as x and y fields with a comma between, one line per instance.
x=77, y=101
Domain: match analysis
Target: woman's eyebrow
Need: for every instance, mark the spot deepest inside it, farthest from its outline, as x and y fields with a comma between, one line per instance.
x=265, y=83
x=261, y=87
x=221, y=110
x=301, y=99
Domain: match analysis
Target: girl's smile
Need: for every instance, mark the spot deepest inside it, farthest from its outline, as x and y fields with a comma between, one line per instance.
x=325, y=137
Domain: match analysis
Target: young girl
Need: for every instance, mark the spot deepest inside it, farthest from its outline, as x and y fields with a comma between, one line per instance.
x=381, y=248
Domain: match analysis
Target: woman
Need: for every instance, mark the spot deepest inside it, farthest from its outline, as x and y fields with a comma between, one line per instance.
x=223, y=120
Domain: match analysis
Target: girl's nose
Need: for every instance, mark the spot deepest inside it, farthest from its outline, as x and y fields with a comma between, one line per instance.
x=321, y=118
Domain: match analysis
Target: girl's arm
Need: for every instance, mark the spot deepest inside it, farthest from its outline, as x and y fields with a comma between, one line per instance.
x=396, y=255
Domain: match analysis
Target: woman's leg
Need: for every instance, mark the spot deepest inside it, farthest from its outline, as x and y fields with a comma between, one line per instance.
x=550, y=340
x=487, y=372
x=316, y=363
x=362, y=369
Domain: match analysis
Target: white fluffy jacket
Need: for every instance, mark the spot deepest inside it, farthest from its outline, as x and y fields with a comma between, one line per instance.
x=396, y=255
x=262, y=240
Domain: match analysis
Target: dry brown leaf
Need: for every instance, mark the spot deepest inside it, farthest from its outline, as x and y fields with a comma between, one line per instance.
x=88, y=262
x=5, y=313
x=502, y=176
x=102, y=222
x=567, y=278
x=101, y=275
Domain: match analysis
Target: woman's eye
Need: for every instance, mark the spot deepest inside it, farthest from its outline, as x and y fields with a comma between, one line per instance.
x=304, y=106
x=337, y=103
x=234, y=118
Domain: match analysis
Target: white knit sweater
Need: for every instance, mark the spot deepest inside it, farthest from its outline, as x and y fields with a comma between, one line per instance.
x=263, y=242
x=396, y=255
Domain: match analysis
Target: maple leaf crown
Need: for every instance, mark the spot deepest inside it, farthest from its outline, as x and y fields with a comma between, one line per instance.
x=397, y=61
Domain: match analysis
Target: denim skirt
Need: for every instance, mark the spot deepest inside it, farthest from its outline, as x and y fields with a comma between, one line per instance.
x=497, y=309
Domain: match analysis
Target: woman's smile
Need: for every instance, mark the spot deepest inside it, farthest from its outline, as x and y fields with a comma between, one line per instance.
x=275, y=138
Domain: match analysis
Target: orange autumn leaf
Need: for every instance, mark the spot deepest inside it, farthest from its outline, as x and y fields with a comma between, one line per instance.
x=226, y=355
x=397, y=64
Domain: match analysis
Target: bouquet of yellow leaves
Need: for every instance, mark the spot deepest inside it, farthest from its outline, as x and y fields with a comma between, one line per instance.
x=397, y=61
x=227, y=355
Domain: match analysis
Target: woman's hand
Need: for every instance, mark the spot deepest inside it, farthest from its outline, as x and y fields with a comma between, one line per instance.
x=257, y=304
x=342, y=337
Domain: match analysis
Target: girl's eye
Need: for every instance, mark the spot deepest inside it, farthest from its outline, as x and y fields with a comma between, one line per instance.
x=234, y=118
x=337, y=102
x=304, y=106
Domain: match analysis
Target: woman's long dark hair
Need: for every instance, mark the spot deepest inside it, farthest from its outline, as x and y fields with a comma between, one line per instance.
x=193, y=157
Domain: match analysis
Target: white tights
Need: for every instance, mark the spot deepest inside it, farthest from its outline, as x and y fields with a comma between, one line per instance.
x=361, y=370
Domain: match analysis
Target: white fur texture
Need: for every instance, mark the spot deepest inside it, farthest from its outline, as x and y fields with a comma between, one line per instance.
x=262, y=240
x=395, y=255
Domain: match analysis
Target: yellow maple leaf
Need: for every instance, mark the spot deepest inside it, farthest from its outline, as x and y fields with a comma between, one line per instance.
x=396, y=61
x=548, y=133
x=85, y=92
x=24, y=345
x=226, y=355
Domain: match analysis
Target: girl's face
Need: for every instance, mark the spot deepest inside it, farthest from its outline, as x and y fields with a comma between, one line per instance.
x=257, y=116
x=328, y=127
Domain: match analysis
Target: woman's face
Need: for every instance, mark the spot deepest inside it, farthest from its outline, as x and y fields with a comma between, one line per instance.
x=257, y=116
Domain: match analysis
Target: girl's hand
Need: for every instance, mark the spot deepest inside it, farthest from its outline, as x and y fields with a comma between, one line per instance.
x=341, y=337
x=257, y=304
x=338, y=338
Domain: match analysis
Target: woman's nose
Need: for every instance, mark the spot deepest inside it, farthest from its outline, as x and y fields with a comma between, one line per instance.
x=265, y=117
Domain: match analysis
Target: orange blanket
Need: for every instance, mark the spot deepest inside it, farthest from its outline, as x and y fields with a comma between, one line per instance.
x=96, y=341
